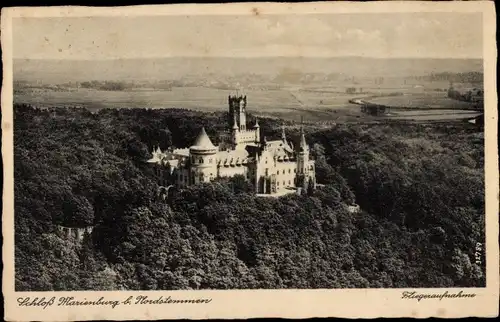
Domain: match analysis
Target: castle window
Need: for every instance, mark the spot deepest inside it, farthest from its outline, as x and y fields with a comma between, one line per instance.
x=284, y=183
x=277, y=183
x=283, y=171
x=289, y=182
x=201, y=160
x=289, y=171
x=294, y=170
x=210, y=160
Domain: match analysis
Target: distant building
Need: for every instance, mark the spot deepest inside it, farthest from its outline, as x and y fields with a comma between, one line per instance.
x=274, y=167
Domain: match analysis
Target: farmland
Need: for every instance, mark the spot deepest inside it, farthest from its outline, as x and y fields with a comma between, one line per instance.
x=437, y=100
x=292, y=102
x=197, y=98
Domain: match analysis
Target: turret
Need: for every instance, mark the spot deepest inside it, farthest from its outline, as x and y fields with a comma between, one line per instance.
x=303, y=147
x=203, y=159
x=243, y=114
x=234, y=132
x=256, y=127
x=303, y=154
x=283, y=134
x=235, y=124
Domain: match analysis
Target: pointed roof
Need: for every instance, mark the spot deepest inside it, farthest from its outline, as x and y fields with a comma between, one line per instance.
x=303, y=143
x=203, y=141
x=256, y=123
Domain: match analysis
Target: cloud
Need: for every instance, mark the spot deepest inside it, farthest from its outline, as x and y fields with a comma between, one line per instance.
x=392, y=35
x=292, y=30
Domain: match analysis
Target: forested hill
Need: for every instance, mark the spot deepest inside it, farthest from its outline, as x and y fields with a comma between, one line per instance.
x=421, y=189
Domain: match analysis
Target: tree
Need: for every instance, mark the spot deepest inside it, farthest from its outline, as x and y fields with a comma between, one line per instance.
x=423, y=212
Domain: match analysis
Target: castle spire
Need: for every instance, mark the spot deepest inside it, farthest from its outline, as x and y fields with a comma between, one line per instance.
x=283, y=134
x=235, y=123
x=303, y=143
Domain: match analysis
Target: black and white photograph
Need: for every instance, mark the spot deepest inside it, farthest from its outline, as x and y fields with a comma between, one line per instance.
x=258, y=151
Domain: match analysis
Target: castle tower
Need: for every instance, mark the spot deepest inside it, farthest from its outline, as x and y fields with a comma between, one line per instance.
x=237, y=107
x=256, y=128
x=203, y=159
x=243, y=114
x=234, y=132
x=283, y=134
x=302, y=161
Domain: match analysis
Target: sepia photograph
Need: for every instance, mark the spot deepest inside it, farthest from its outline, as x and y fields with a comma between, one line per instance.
x=248, y=151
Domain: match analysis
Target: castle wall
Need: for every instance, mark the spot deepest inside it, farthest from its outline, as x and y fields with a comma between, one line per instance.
x=75, y=234
x=182, y=177
x=205, y=174
x=232, y=171
x=312, y=172
x=283, y=173
x=286, y=172
x=246, y=136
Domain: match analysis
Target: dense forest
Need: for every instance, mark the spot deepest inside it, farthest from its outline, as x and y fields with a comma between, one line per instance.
x=420, y=188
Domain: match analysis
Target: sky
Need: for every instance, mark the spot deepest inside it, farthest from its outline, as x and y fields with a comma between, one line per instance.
x=391, y=35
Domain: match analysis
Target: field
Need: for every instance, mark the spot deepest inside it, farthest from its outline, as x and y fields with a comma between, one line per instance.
x=430, y=115
x=288, y=103
x=314, y=104
x=437, y=100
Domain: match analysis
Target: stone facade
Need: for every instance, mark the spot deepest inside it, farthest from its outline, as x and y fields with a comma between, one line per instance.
x=273, y=167
x=76, y=234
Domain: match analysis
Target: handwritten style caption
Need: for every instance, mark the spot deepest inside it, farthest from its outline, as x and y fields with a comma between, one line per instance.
x=439, y=296
x=45, y=302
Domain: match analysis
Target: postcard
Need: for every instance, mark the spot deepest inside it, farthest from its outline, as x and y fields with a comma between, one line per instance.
x=246, y=160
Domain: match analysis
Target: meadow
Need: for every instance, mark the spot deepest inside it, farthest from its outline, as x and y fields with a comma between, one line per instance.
x=328, y=102
x=290, y=103
x=433, y=100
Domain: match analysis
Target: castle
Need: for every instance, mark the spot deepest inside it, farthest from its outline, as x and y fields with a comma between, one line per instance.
x=273, y=167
